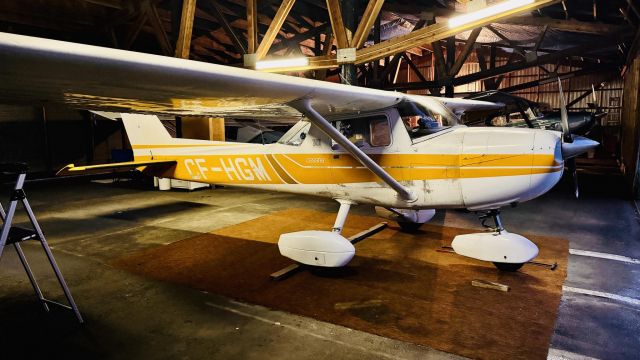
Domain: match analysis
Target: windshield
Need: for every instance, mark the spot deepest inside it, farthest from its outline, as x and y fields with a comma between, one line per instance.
x=422, y=119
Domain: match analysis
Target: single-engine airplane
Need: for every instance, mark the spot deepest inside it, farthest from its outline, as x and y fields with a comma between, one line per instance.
x=405, y=153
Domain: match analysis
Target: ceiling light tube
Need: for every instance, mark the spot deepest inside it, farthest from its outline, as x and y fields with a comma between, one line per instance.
x=282, y=63
x=487, y=12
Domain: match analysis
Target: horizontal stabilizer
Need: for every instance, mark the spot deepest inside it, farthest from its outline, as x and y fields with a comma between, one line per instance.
x=71, y=169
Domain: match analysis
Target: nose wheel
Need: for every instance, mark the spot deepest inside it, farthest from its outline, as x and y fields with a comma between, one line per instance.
x=498, y=228
x=507, y=251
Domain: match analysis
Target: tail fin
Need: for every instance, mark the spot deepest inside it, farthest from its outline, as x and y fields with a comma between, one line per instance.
x=145, y=130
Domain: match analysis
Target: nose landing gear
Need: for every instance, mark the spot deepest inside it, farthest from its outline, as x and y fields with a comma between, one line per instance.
x=507, y=251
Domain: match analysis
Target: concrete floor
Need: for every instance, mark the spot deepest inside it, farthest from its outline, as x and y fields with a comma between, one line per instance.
x=127, y=316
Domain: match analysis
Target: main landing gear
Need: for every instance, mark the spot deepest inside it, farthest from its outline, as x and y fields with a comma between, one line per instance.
x=507, y=251
x=320, y=248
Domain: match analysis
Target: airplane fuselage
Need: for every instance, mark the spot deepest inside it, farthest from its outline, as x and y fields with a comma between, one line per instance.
x=460, y=167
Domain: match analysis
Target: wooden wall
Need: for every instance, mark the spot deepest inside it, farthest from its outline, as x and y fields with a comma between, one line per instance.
x=630, y=134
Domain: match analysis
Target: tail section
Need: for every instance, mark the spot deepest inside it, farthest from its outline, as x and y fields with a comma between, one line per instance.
x=146, y=130
x=149, y=138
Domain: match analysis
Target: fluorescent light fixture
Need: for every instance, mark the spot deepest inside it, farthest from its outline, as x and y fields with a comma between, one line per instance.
x=282, y=63
x=486, y=12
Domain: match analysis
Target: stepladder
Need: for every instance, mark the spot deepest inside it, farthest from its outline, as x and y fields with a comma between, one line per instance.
x=11, y=235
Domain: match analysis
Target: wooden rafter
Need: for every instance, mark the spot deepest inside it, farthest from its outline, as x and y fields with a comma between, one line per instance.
x=468, y=47
x=183, y=44
x=337, y=25
x=566, y=25
x=226, y=26
x=416, y=38
x=252, y=26
x=366, y=23
x=158, y=29
x=274, y=28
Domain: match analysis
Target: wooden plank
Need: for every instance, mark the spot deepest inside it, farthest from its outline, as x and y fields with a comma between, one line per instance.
x=366, y=23
x=252, y=26
x=274, y=28
x=485, y=284
x=337, y=25
x=183, y=45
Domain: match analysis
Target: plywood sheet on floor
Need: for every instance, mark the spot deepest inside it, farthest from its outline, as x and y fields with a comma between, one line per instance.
x=397, y=285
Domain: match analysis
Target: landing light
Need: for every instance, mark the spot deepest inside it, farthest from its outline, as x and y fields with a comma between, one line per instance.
x=282, y=63
x=486, y=12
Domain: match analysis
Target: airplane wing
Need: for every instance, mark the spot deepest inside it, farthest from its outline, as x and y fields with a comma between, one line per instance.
x=71, y=169
x=36, y=70
x=97, y=78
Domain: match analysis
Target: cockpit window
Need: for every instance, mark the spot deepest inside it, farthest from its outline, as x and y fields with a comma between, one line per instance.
x=422, y=121
x=373, y=131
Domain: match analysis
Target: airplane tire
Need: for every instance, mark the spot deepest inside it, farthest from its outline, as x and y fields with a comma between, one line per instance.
x=409, y=226
x=509, y=267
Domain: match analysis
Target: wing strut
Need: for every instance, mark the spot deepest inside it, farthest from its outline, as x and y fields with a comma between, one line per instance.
x=304, y=106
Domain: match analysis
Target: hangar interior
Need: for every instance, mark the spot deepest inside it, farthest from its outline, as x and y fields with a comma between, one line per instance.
x=185, y=272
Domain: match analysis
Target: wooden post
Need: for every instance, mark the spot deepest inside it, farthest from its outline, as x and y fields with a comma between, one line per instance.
x=203, y=127
x=186, y=27
x=630, y=124
x=252, y=26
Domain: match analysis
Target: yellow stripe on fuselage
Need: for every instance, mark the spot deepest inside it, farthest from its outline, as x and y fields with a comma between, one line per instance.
x=246, y=169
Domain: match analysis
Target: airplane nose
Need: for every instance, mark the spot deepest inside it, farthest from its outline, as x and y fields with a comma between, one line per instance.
x=579, y=146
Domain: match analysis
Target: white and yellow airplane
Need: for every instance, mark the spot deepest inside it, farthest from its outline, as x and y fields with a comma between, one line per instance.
x=405, y=153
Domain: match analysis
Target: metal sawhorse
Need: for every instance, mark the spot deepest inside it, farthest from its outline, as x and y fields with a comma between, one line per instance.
x=15, y=235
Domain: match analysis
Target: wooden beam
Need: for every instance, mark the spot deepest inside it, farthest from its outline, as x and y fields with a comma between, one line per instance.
x=566, y=25
x=366, y=23
x=337, y=25
x=158, y=29
x=439, y=60
x=554, y=78
x=327, y=46
x=274, y=28
x=540, y=39
x=414, y=68
x=425, y=35
x=183, y=45
x=435, y=32
x=133, y=33
x=300, y=37
x=468, y=47
x=490, y=73
x=226, y=26
x=252, y=26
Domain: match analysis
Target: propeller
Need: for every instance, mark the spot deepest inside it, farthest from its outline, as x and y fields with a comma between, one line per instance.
x=567, y=138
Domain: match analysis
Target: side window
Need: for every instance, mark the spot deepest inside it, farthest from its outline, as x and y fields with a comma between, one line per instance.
x=373, y=131
x=380, y=132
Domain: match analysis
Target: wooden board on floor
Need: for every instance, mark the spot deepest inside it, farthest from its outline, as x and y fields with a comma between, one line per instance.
x=397, y=285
